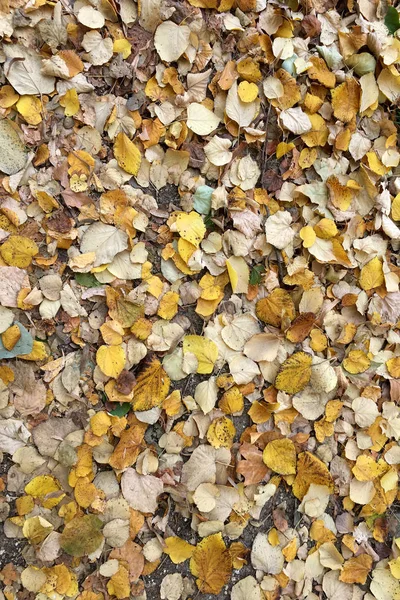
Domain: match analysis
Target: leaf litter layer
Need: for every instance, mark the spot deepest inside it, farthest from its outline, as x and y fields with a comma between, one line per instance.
x=199, y=299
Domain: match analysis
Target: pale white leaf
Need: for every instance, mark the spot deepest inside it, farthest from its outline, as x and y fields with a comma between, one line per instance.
x=200, y=119
x=241, y=112
x=171, y=40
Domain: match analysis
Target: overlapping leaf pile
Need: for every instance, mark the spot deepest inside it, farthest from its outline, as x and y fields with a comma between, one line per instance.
x=200, y=304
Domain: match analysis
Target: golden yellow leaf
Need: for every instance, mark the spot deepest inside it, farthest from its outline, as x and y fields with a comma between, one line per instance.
x=70, y=102
x=122, y=46
x=178, y=550
x=356, y=362
x=205, y=350
x=247, y=92
x=10, y=337
x=372, y=274
x=18, y=251
x=111, y=360
x=308, y=236
x=36, y=529
x=326, y=229
x=221, y=433
x=307, y=157
x=239, y=274
x=119, y=585
x=320, y=72
x=8, y=96
x=85, y=492
x=152, y=386
x=310, y=469
x=44, y=487
x=278, y=307
x=341, y=196
x=291, y=91
x=396, y=208
x=283, y=148
x=38, y=352
x=211, y=564
x=318, y=134
x=168, y=305
x=280, y=456
x=294, y=373
x=393, y=367
x=231, y=401
x=356, y=569
x=368, y=468
x=346, y=100
x=190, y=227
x=249, y=70
x=127, y=154
x=30, y=108
x=100, y=423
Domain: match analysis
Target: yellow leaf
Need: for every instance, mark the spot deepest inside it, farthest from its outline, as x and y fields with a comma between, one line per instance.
x=291, y=91
x=85, y=492
x=232, y=401
x=38, y=352
x=372, y=275
x=318, y=134
x=119, y=585
x=346, y=100
x=8, y=96
x=100, y=422
x=152, y=387
x=307, y=157
x=168, y=305
x=190, y=227
x=308, y=236
x=356, y=569
x=70, y=102
x=112, y=332
x=320, y=72
x=249, y=69
x=122, y=46
x=368, y=468
x=356, y=362
x=205, y=350
x=280, y=456
x=239, y=274
x=178, y=550
x=325, y=229
x=111, y=360
x=283, y=148
x=211, y=564
x=394, y=566
x=44, y=487
x=30, y=108
x=127, y=154
x=18, y=251
x=277, y=307
x=247, y=92
x=341, y=196
x=10, y=337
x=221, y=433
x=393, y=367
x=294, y=373
x=396, y=208
x=36, y=529
x=310, y=469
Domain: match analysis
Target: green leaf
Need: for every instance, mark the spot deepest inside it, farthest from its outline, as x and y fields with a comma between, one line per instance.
x=202, y=199
x=121, y=409
x=255, y=275
x=392, y=21
x=87, y=280
x=82, y=535
x=209, y=223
